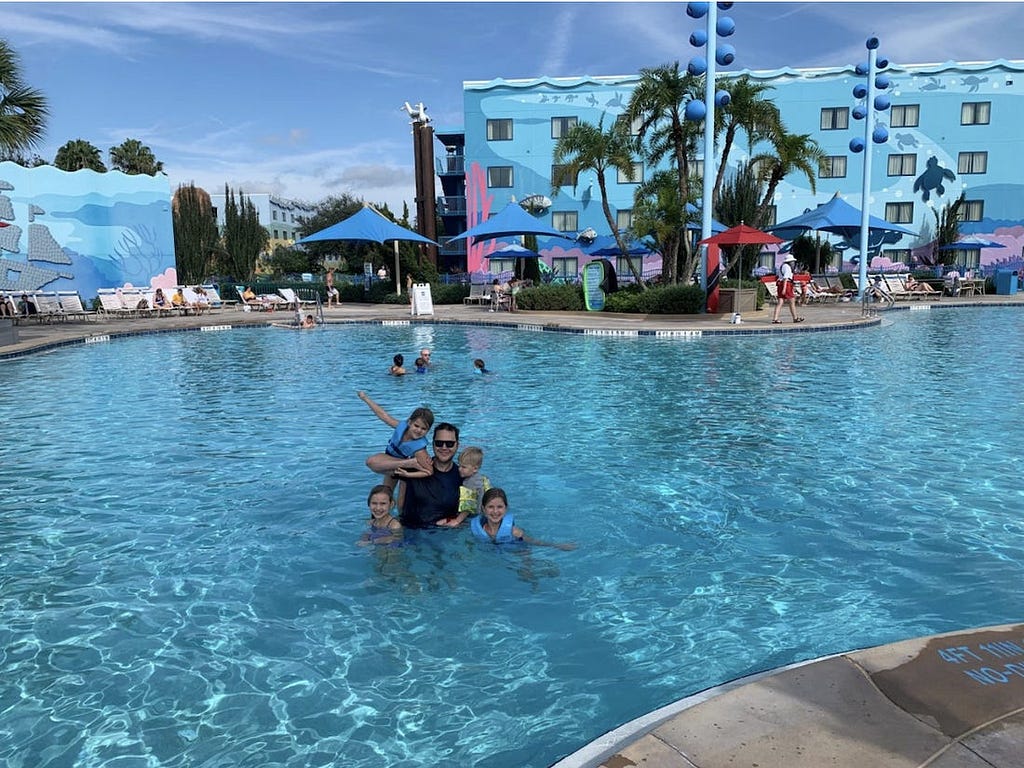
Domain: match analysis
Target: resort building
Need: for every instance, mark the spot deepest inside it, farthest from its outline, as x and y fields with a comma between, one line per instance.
x=953, y=128
x=281, y=218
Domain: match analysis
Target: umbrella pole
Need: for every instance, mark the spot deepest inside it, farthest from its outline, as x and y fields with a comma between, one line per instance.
x=398, y=282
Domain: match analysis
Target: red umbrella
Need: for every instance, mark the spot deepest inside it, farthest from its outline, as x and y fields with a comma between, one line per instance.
x=742, y=235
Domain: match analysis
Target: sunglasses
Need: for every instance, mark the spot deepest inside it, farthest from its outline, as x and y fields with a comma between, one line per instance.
x=445, y=443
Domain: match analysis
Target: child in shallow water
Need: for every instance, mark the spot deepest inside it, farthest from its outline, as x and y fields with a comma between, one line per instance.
x=497, y=526
x=384, y=527
x=407, y=448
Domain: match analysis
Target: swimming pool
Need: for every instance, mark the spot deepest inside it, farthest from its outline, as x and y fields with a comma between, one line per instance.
x=180, y=584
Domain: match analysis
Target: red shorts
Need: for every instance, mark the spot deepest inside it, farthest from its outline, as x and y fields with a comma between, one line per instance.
x=785, y=289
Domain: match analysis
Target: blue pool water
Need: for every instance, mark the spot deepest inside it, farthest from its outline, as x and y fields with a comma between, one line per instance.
x=180, y=583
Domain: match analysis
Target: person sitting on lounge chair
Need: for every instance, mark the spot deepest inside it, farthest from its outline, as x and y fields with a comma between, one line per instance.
x=7, y=308
x=878, y=291
x=916, y=286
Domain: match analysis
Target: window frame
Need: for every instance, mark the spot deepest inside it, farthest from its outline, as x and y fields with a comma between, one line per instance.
x=967, y=161
x=558, y=171
x=628, y=214
x=561, y=219
x=638, y=171
x=831, y=161
x=903, y=109
x=972, y=210
x=902, y=159
x=565, y=122
x=971, y=113
x=896, y=209
x=560, y=264
x=834, y=113
x=503, y=264
x=499, y=121
x=495, y=169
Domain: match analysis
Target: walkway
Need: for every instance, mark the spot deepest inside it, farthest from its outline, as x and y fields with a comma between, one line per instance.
x=947, y=701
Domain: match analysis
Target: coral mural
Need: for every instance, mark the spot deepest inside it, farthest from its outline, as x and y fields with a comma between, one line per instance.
x=83, y=231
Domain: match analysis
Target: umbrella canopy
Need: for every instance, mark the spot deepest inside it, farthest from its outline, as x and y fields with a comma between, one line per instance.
x=605, y=245
x=971, y=241
x=510, y=221
x=741, y=234
x=836, y=216
x=367, y=225
x=513, y=251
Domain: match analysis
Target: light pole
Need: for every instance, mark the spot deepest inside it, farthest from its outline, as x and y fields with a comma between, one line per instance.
x=697, y=109
x=876, y=134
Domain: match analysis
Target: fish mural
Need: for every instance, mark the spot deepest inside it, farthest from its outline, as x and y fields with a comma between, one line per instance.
x=82, y=231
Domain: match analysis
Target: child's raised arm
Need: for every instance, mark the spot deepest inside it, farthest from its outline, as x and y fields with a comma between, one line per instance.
x=383, y=415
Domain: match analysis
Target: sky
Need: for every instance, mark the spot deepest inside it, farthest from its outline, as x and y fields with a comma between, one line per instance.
x=303, y=100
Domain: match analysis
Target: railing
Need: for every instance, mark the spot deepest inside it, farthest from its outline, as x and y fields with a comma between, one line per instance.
x=451, y=247
x=452, y=205
x=453, y=164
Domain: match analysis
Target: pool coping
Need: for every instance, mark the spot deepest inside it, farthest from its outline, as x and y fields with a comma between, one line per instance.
x=820, y=318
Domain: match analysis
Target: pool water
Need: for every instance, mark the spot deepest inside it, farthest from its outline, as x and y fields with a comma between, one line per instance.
x=180, y=583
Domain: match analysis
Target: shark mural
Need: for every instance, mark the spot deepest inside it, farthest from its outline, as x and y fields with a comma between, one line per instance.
x=82, y=231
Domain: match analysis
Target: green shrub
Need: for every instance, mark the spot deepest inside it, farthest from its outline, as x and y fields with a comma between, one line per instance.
x=664, y=300
x=551, y=298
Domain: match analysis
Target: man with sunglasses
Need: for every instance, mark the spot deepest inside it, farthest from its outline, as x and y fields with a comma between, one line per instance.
x=425, y=501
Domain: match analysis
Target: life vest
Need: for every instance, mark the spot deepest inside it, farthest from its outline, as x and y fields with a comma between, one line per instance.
x=504, y=535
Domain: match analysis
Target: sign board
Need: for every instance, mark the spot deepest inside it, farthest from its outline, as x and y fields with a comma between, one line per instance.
x=367, y=274
x=593, y=278
x=422, y=301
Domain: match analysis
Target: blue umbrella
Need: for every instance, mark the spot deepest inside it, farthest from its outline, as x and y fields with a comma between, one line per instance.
x=716, y=227
x=510, y=221
x=513, y=251
x=971, y=241
x=369, y=226
x=605, y=245
x=836, y=216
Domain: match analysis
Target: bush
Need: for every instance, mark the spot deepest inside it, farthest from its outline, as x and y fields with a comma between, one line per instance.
x=551, y=298
x=664, y=300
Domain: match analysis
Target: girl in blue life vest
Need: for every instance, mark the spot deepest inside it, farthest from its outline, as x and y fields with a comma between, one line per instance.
x=497, y=526
x=407, y=448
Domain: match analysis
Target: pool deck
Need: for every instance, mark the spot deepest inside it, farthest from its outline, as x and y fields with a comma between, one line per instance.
x=945, y=701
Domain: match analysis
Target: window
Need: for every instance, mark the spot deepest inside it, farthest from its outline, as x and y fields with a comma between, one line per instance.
x=972, y=210
x=972, y=162
x=624, y=219
x=565, y=268
x=634, y=126
x=622, y=269
x=499, y=265
x=835, y=118
x=275, y=234
x=565, y=221
x=499, y=176
x=635, y=177
x=898, y=254
x=499, y=129
x=833, y=167
x=561, y=125
x=902, y=165
x=560, y=177
x=905, y=116
x=899, y=213
x=274, y=215
x=975, y=112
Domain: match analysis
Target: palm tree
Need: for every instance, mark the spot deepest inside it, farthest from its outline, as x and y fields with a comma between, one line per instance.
x=659, y=212
x=659, y=103
x=793, y=152
x=947, y=229
x=747, y=110
x=588, y=147
x=78, y=154
x=23, y=110
x=133, y=157
x=738, y=203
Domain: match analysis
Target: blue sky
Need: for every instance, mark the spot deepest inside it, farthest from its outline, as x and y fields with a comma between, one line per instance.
x=303, y=99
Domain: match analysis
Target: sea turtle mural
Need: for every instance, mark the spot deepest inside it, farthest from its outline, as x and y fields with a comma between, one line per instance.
x=932, y=178
x=972, y=82
x=904, y=140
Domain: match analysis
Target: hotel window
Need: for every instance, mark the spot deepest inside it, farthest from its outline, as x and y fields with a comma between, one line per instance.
x=905, y=116
x=565, y=221
x=835, y=118
x=634, y=125
x=275, y=234
x=899, y=213
x=898, y=254
x=975, y=112
x=499, y=176
x=635, y=177
x=499, y=129
x=624, y=219
x=622, y=269
x=902, y=165
x=972, y=210
x=972, y=162
x=561, y=125
x=833, y=167
x=274, y=215
x=560, y=177
x=498, y=265
x=565, y=268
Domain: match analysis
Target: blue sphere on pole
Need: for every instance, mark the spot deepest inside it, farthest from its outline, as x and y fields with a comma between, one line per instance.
x=699, y=38
x=856, y=144
x=859, y=113
x=722, y=98
x=724, y=6
x=861, y=69
x=860, y=91
x=882, y=82
x=698, y=66
x=881, y=64
x=871, y=43
x=880, y=135
x=725, y=26
x=695, y=110
x=725, y=55
x=696, y=10
x=882, y=102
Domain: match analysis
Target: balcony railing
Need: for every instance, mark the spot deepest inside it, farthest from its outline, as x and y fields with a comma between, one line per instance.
x=452, y=164
x=452, y=205
x=451, y=247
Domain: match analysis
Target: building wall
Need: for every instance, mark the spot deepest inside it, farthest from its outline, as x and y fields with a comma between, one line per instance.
x=936, y=143
x=281, y=217
x=83, y=230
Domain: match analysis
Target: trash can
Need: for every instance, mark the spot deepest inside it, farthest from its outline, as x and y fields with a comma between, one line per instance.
x=1006, y=281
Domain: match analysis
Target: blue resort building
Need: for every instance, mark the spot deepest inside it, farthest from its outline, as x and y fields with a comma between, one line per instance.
x=953, y=128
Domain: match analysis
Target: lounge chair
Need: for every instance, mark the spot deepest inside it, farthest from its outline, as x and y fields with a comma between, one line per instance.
x=71, y=303
x=294, y=300
x=479, y=293
x=49, y=307
x=216, y=302
x=894, y=283
x=772, y=288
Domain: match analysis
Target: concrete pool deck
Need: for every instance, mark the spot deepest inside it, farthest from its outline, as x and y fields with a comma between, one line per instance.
x=946, y=701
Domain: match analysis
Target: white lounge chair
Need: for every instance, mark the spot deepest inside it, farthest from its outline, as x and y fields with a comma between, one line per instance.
x=71, y=303
x=111, y=303
x=479, y=293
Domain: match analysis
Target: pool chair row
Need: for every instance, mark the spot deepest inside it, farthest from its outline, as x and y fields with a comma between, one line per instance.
x=819, y=290
x=45, y=306
x=899, y=287
x=285, y=298
x=143, y=302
